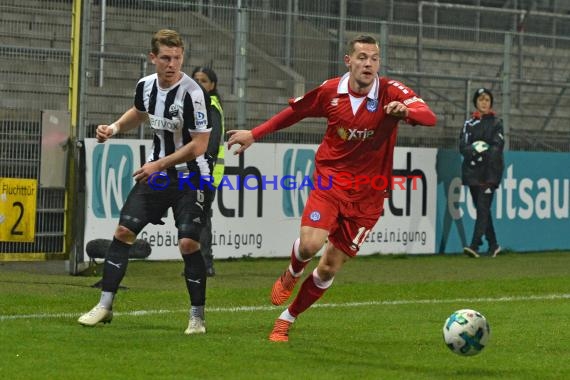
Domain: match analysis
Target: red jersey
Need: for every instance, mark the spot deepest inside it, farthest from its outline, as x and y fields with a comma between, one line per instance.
x=357, y=145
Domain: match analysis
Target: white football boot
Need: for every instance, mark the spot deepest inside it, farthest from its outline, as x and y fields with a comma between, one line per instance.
x=196, y=326
x=98, y=314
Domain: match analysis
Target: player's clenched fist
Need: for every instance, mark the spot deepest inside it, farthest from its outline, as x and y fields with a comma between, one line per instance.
x=104, y=132
x=396, y=109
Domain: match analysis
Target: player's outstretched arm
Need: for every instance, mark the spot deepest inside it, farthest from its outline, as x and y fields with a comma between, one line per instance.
x=241, y=137
x=129, y=120
x=244, y=138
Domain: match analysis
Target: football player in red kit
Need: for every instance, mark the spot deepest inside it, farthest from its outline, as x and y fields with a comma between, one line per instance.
x=362, y=111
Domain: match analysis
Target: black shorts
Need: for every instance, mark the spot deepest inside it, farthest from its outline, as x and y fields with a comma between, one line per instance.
x=146, y=205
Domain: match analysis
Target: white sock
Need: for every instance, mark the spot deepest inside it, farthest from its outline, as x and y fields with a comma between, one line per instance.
x=298, y=257
x=320, y=283
x=295, y=274
x=286, y=316
x=107, y=300
x=197, y=311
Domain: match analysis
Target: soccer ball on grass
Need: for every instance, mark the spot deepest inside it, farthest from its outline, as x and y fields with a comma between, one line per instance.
x=466, y=332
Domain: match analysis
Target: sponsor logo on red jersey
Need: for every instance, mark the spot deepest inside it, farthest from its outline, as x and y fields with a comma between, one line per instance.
x=353, y=134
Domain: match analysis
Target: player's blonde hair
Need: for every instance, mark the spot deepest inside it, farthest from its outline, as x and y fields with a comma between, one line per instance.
x=166, y=37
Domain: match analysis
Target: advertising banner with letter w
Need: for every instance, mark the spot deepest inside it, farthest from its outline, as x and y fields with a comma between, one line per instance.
x=258, y=207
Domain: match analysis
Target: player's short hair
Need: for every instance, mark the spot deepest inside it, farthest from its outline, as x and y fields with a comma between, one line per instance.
x=481, y=91
x=362, y=39
x=166, y=37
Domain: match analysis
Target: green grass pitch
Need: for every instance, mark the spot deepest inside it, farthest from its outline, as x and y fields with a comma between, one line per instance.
x=382, y=319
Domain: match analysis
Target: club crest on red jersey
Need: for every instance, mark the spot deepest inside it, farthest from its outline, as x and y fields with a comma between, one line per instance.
x=372, y=105
x=315, y=216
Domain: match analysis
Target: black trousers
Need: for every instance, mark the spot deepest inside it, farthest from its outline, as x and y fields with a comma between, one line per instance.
x=206, y=234
x=483, y=199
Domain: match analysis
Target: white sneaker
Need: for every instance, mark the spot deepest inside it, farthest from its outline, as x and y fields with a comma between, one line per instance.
x=471, y=252
x=96, y=315
x=494, y=250
x=196, y=326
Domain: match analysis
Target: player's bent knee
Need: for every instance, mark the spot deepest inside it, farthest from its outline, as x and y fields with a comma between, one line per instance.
x=129, y=225
x=187, y=245
x=309, y=249
x=325, y=273
x=125, y=235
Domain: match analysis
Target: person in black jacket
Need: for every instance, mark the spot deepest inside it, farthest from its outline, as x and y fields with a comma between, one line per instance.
x=207, y=77
x=481, y=144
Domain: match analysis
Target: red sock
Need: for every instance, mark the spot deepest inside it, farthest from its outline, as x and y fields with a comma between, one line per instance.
x=296, y=264
x=309, y=293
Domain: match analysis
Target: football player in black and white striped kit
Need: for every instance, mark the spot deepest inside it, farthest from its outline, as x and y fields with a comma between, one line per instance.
x=177, y=109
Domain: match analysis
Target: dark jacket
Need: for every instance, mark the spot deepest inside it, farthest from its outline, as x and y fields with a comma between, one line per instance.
x=485, y=168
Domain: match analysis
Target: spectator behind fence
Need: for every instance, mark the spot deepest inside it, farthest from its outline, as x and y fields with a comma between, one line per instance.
x=176, y=108
x=209, y=80
x=481, y=144
x=363, y=112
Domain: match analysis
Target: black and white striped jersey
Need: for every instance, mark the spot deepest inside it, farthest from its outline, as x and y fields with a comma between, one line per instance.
x=174, y=113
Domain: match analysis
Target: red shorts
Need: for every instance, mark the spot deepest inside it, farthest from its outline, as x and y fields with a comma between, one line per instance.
x=348, y=223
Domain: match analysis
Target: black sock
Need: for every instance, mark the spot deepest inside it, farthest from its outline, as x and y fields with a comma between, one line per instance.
x=115, y=265
x=195, y=278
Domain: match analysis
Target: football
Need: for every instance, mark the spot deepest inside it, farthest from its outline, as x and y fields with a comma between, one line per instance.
x=480, y=146
x=466, y=332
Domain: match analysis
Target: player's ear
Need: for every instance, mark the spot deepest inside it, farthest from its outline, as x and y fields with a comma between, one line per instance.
x=347, y=61
x=151, y=57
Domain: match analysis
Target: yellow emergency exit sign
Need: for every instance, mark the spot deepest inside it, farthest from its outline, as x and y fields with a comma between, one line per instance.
x=18, y=199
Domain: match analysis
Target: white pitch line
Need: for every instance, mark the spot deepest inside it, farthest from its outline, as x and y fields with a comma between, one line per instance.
x=238, y=309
